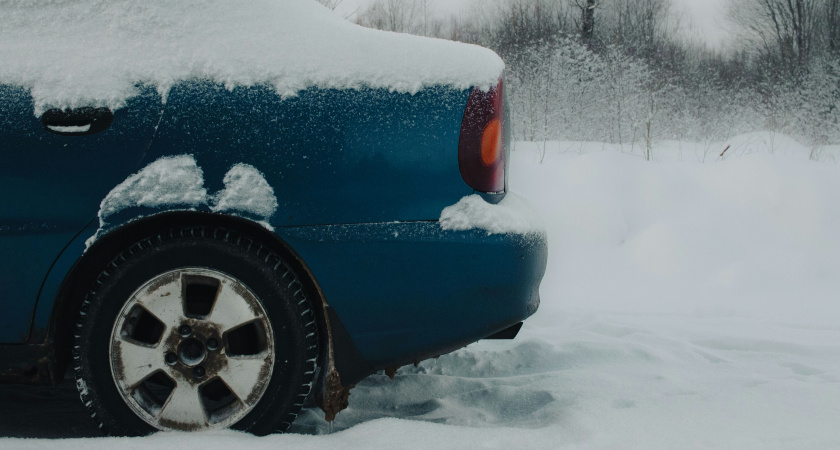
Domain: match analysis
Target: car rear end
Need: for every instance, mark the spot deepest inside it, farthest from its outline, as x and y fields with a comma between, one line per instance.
x=361, y=179
x=358, y=144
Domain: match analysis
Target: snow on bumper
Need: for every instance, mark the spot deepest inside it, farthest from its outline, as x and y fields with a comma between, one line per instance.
x=512, y=215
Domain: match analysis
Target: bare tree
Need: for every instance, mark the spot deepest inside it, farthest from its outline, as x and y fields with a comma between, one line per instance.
x=640, y=26
x=331, y=4
x=510, y=26
x=587, y=19
x=831, y=25
x=391, y=15
x=618, y=71
x=425, y=10
x=784, y=30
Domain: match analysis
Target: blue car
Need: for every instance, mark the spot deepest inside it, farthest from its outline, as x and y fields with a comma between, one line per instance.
x=211, y=224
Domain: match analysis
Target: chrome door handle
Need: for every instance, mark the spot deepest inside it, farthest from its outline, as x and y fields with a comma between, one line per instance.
x=77, y=121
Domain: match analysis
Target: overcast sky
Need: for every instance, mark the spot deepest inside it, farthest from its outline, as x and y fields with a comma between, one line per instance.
x=706, y=17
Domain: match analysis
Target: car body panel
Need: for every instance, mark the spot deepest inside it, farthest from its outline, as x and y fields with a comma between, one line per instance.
x=402, y=290
x=51, y=186
x=360, y=179
x=409, y=291
x=331, y=156
x=315, y=150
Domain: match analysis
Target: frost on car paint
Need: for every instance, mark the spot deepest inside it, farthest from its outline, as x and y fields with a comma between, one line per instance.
x=512, y=215
x=175, y=180
x=246, y=191
x=56, y=49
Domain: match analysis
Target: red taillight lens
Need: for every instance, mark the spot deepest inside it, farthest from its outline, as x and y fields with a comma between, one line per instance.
x=481, y=150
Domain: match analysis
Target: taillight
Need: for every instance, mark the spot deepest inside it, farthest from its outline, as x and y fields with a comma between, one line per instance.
x=481, y=150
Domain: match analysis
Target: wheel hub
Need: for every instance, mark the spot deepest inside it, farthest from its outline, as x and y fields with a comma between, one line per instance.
x=191, y=352
x=192, y=349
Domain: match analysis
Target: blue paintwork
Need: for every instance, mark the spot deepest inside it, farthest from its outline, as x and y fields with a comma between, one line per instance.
x=331, y=156
x=361, y=177
x=405, y=288
x=414, y=289
x=51, y=187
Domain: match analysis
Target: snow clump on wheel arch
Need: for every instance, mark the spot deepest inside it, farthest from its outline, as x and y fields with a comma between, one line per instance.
x=178, y=182
x=246, y=190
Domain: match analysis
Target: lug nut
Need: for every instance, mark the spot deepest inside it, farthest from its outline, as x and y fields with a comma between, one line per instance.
x=171, y=358
x=212, y=344
x=198, y=372
x=184, y=330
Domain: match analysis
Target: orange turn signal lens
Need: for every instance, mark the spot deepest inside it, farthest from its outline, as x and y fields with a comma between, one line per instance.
x=491, y=142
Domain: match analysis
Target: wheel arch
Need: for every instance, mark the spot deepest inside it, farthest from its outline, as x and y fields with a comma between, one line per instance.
x=87, y=267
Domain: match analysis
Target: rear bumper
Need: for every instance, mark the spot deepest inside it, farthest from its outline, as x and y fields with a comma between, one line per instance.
x=409, y=291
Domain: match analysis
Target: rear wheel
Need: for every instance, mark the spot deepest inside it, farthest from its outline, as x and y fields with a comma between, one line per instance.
x=198, y=328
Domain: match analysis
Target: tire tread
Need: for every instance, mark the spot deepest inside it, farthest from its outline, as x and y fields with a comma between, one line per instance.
x=199, y=232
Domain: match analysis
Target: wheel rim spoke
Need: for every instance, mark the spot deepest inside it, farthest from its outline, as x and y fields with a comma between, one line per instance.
x=164, y=301
x=244, y=377
x=231, y=309
x=137, y=361
x=184, y=409
x=202, y=361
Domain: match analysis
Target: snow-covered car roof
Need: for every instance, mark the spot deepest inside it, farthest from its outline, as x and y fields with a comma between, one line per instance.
x=94, y=52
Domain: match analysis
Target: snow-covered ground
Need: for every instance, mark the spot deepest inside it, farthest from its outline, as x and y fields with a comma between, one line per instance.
x=687, y=304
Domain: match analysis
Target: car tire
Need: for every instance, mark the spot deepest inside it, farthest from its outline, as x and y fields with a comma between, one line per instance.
x=195, y=312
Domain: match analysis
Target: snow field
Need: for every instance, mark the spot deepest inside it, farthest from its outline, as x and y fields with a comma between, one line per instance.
x=686, y=305
x=755, y=234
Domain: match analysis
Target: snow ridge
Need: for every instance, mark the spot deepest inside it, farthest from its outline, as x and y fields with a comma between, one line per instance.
x=96, y=53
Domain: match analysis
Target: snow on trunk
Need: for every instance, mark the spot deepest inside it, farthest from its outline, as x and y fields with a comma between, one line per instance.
x=94, y=53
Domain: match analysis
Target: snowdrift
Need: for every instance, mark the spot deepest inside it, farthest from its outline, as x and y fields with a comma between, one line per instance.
x=753, y=233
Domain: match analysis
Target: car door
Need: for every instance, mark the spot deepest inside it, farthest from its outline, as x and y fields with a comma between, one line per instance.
x=55, y=169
